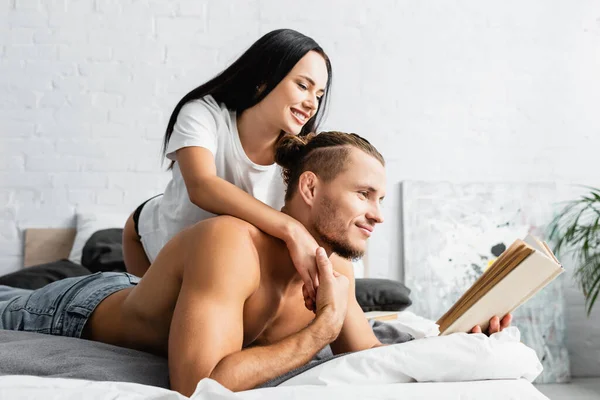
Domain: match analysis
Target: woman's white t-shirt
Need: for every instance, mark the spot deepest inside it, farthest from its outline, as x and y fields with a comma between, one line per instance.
x=205, y=123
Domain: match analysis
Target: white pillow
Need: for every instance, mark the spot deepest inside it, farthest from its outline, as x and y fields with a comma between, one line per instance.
x=88, y=223
x=452, y=358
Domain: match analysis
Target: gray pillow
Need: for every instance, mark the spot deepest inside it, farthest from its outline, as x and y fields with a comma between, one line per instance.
x=104, y=251
x=40, y=275
x=382, y=295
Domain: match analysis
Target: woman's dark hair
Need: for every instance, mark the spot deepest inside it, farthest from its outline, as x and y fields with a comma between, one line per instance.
x=263, y=66
x=324, y=154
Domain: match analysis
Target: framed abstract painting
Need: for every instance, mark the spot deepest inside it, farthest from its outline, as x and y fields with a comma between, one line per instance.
x=452, y=232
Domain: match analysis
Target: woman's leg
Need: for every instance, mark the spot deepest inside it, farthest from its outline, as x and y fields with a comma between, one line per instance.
x=136, y=261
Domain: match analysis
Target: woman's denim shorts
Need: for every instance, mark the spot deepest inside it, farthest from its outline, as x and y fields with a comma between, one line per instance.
x=62, y=308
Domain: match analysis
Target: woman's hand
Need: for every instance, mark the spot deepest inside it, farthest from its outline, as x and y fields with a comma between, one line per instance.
x=302, y=247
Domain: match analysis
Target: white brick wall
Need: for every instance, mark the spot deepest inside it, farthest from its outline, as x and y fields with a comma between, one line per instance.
x=459, y=91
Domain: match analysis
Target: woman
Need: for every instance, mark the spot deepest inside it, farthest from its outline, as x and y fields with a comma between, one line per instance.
x=221, y=141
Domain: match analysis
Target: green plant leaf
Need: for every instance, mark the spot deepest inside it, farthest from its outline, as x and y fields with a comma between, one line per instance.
x=576, y=230
x=593, y=294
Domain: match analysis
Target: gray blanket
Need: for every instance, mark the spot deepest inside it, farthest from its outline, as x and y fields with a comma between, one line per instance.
x=26, y=353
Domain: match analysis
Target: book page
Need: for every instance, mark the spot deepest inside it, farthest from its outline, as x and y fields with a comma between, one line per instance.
x=538, y=245
x=551, y=253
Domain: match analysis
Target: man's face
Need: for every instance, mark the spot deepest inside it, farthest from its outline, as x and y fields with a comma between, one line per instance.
x=348, y=207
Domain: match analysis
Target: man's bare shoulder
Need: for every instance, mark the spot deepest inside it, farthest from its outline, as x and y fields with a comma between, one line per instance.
x=229, y=239
x=223, y=227
x=226, y=224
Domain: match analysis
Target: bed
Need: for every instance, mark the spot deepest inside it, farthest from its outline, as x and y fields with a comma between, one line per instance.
x=34, y=365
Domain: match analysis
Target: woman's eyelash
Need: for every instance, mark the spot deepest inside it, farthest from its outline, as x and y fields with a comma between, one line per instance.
x=305, y=87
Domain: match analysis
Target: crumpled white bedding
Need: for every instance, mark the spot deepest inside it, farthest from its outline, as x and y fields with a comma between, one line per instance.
x=454, y=358
x=33, y=387
x=459, y=359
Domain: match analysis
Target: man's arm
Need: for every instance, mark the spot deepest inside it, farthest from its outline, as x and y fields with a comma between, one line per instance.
x=249, y=368
x=207, y=330
x=356, y=333
x=246, y=369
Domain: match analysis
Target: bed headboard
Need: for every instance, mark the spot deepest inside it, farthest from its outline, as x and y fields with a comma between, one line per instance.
x=43, y=245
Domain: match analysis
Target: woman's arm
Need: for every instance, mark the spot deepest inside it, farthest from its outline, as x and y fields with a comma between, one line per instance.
x=218, y=196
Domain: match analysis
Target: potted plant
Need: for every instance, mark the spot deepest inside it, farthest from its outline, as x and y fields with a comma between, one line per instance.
x=576, y=231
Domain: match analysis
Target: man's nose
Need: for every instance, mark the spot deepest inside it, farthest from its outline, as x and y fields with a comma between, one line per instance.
x=375, y=214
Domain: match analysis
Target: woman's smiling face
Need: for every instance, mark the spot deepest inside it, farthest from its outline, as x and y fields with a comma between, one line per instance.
x=296, y=98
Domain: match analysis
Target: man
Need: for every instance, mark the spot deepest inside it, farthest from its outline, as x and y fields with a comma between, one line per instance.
x=223, y=299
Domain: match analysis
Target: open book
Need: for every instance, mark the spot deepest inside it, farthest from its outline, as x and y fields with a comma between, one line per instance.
x=520, y=272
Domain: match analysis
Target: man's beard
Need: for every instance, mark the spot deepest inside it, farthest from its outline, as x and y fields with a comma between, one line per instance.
x=333, y=233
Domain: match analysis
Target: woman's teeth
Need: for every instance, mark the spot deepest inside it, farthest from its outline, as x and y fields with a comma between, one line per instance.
x=301, y=117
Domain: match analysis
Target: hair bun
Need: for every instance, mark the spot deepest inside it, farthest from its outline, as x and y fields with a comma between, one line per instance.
x=290, y=149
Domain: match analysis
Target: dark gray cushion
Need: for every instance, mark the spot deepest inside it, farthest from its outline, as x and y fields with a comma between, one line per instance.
x=40, y=275
x=104, y=251
x=382, y=295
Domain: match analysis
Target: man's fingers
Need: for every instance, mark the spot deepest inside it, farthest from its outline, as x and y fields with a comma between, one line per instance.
x=494, y=325
x=505, y=323
x=323, y=263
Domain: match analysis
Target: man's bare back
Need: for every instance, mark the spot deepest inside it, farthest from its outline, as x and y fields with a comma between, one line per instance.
x=141, y=317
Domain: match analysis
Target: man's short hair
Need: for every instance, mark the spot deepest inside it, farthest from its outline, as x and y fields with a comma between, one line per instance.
x=325, y=154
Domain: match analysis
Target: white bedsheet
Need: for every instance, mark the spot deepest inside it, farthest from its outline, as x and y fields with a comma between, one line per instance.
x=31, y=387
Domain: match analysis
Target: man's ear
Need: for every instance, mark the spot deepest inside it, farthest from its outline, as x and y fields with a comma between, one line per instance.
x=307, y=186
